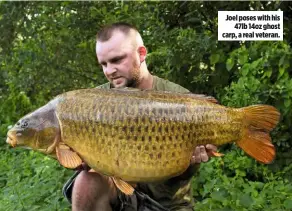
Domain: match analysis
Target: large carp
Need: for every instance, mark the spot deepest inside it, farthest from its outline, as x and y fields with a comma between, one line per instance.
x=141, y=136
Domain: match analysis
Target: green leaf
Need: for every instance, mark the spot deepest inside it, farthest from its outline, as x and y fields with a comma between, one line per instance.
x=245, y=200
x=214, y=58
x=243, y=58
x=268, y=73
x=245, y=69
x=229, y=64
x=287, y=102
x=219, y=195
x=255, y=64
x=281, y=72
x=281, y=61
x=224, y=209
x=288, y=203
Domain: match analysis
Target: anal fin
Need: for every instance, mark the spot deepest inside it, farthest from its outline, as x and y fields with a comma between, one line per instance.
x=123, y=186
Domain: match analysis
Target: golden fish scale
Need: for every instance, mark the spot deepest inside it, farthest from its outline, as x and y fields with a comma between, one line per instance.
x=142, y=136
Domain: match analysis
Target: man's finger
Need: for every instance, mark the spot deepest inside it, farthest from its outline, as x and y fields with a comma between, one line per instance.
x=212, y=150
x=193, y=160
x=211, y=147
x=197, y=155
x=203, y=153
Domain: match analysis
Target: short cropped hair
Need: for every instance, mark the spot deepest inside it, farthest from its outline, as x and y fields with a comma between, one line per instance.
x=106, y=32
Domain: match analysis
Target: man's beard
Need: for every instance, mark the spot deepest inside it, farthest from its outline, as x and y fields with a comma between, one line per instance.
x=134, y=80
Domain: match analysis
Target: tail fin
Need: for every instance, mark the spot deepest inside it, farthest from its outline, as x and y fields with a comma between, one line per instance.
x=259, y=120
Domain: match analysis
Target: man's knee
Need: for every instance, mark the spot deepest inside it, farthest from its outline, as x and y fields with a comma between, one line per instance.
x=90, y=183
x=91, y=189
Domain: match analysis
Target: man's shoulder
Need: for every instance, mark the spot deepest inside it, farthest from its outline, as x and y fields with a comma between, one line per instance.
x=161, y=84
x=104, y=86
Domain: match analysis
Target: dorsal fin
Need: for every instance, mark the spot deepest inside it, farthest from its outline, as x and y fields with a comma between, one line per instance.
x=191, y=95
x=202, y=97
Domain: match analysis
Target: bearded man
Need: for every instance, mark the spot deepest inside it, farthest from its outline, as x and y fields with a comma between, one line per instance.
x=121, y=53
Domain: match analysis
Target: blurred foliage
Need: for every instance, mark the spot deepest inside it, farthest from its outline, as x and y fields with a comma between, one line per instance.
x=30, y=181
x=237, y=182
x=47, y=48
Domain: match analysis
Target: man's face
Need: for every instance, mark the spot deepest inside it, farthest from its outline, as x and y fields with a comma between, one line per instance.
x=119, y=60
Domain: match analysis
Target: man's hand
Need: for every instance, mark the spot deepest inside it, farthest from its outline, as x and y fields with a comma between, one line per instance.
x=202, y=153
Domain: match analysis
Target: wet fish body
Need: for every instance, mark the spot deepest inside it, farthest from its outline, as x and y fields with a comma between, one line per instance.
x=143, y=136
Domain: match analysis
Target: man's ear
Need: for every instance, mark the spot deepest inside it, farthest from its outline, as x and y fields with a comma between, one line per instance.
x=142, y=53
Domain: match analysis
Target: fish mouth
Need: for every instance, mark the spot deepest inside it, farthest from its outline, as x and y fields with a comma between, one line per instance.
x=11, y=139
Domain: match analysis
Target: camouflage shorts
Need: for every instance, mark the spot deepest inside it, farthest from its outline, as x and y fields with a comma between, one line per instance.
x=137, y=202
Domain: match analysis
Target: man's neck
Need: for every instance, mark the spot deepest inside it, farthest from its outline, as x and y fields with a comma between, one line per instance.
x=146, y=82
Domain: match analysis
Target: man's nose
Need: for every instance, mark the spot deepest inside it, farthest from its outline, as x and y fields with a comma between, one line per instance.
x=110, y=69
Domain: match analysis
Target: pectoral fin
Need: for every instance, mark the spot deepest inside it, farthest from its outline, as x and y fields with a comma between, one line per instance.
x=67, y=157
x=125, y=187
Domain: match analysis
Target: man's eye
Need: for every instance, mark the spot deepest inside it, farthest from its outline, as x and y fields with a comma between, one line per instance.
x=117, y=60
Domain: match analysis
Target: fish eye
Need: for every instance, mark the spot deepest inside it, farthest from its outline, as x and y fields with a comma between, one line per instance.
x=24, y=124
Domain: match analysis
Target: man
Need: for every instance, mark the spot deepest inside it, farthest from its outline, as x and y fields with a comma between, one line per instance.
x=121, y=53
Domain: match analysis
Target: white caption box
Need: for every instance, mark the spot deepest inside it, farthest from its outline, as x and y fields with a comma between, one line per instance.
x=250, y=25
